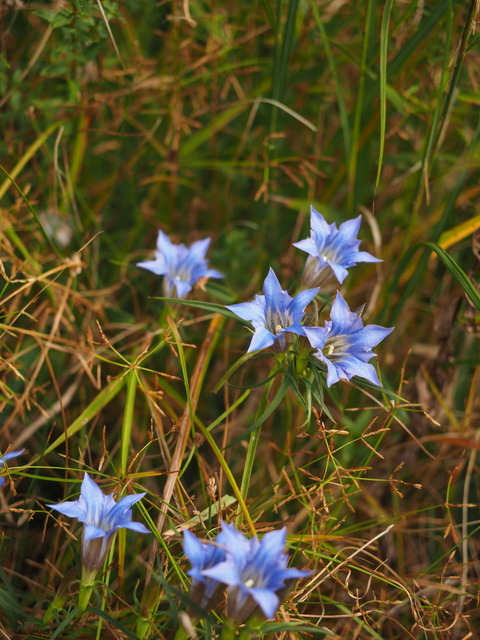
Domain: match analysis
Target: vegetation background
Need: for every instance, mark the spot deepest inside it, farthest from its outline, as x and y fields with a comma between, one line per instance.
x=227, y=119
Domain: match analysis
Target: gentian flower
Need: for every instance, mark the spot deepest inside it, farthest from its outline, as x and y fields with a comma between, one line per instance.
x=181, y=266
x=331, y=250
x=274, y=315
x=102, y=516
x=204, y=591
x=8, y=456
x=255, y=571
x=345, y=345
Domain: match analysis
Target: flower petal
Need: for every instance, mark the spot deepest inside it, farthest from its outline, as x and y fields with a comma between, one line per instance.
x=70, y=508
x=300, y=301
x=261, y=339
x=9, y=456
x=267, y=600
x=251, y=311
x=136, y=526
x=155, y=266
x=225, y=572
x=274, y=296
x=317, y=336
x=90, y=532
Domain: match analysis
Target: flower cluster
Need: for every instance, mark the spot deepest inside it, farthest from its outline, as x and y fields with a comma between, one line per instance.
x=254, y=570
x=343, y=344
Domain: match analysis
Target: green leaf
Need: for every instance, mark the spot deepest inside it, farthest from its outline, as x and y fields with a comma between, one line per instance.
x=457, y=273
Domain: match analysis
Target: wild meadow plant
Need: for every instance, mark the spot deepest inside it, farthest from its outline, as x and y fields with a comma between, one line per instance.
x=255, y=572
x=225, y=437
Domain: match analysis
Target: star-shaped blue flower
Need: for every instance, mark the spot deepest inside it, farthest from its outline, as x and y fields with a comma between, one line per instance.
x=102, y=516
x=274, y=315
x=181, y=266
x=8, y=456
x=255, y=571
x=345, y=345
x=331, y=249
x=203, y=555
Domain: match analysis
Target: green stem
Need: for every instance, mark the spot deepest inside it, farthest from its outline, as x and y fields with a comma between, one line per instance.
x=86, y=586
x=252, y=447
x=228, y=632
x=182, y=634
x=128, y=422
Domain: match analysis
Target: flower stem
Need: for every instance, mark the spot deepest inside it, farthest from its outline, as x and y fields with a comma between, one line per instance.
x=253, y=443
x=228, y=632
x=86, y=586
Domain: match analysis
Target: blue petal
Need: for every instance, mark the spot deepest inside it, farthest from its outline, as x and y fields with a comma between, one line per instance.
x=226, y=572
x=293, y=574
x=136, y=526
x=275, y=298
x=213, y=273
x=155, y=266
x=94, y=500
x=318, y=224
x=317, y=336
x=332, y=371
x=348, y=230
x=371, y=335
x=308, y=245
x=297, y=328
x=9, y=456
x=193, y=548
x=2, y=482
x=121, y=511
x=254, y=310
x=301, y=300
x=364, y=256
x=261, y=339
x=70, y=508
x=90, y=532
x=166, y=248
x=124, y=505
x=341, y=315
x=339, y=272
x=198, y=249
x=235, y=542
x=181, y=287
x=354, y=367
x=267, y=600
x=270, y=551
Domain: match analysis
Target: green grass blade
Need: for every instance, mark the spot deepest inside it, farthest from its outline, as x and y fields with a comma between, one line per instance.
x=383, y=84
x=457, y=273
x=338, y=87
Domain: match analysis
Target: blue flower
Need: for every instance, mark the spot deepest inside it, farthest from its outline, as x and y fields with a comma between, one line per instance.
x=204, y=590
x=331, y=250
x=181, y=266
x=8, y=456
x=102, y=516
x=255, y=571
x=274, y=315
x=345, y=345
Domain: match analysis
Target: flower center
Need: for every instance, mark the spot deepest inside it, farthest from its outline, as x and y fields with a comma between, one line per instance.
x=249, y=583
x=336, y=347
x=276, y=321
